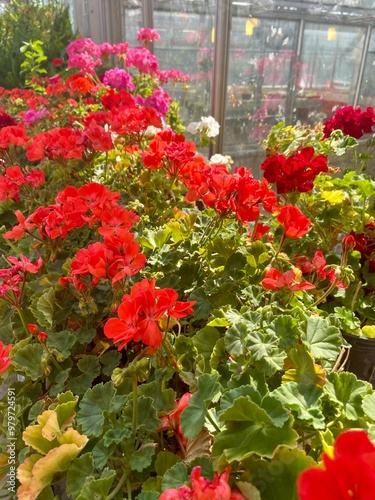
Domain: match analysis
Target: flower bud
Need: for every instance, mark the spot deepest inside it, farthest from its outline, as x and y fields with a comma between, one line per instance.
x=33, y=329
x=42, y=337
x=348, y=242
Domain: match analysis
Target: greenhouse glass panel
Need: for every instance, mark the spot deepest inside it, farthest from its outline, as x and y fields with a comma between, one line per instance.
x=133, y=20
x=328, y=71
x=186, y=43
x=367, y=92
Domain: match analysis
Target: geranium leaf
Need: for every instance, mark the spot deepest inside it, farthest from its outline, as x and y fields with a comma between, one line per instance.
x=249, y=491
x=142, y=458
x=304, y=399
x=24, y=360
x=89, y=366
x=115, y=436
x=148, y=495
x=165, y=460
x=286, y=329
x=349, y=392
x=198, y=447
x=46, y=307
x=62, y=342
x=147, y=414
x=193, y=416
x=163, y=400
x=235, y=339
x=97, y=488
x=301, y=368
x=110, y=360
x=268, y=357
x=278, y=475
x=175, y=477
x=94, y=403
x=205, y=340
x=101, y=454
x=78, y=472
x=321, y=338
x=368, y=405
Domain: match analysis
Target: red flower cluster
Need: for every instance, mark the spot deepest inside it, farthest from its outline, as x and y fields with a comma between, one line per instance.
x=14, y=179
x=317, y=268
x=352, y=121
x=114, y=259
x=275, y=280
x=348, y=475
x=237, y=193
x=294, y=173
x=15, y=135
x=204, y=489
x=140, y=311
x=72, y=210
x=169, y=151
x=12, y=279
x=4, y=357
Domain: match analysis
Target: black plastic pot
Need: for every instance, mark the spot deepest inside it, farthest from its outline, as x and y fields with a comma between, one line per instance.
x=361, y=359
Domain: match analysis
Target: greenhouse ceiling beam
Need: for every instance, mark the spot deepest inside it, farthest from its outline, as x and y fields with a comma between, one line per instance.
x=362, y=66
x=220, y=70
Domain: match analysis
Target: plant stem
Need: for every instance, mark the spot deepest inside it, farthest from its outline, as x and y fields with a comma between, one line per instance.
x=123, y=478
x=326, y=293
x=212, y=421
x=135, y=404
x=22, y=318
x=283, y=238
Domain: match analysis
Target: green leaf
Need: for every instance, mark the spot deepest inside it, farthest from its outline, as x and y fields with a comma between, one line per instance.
x=235, y=339
x=78, y=472
x=25, y=358
x=277, y=479
x=321, y=338
x=305, y=400
x=142, y=458
x=89, y=366
x=85, y=335
x=36, y=410
x=165, y=460
x=193, y=416
x=97, y=488
x=268, y=357
x=205, y=340
x=148, y=495
x=46, y=306
x=95, y=403
x=110, y=360
x=62, y=342
x=286, y=329
x=101, y=454
x=163, y=400
x=368, y=405
x=147, y=414
x=116, y=436
x=175, y=477
x=251, y=430
x=348, y=392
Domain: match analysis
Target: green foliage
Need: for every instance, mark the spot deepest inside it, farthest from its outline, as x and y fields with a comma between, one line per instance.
x=29, y=25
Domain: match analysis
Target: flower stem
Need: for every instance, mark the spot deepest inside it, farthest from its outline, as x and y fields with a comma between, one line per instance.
x=135, y=404
x=326, y=293
x=22, y=318
x=122, y=480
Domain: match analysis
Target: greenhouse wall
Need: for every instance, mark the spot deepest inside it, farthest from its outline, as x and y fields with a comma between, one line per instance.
x=252, y=63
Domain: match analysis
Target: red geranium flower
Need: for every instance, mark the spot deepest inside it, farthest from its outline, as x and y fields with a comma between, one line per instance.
x=295, y=224
x=4, y=358
x=204, y=489
x=349, y=475
x=275, y=280
x=140, y=312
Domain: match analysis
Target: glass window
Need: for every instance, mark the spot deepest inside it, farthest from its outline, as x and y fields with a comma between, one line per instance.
x=367, y=91
x=186, y=31
x=133, y=20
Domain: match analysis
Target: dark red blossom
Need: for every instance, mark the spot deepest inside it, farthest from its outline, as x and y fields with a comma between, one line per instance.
x=140, y=311
x=348, y=475
x=295, y=224
x=294, y=173
x=352, y=121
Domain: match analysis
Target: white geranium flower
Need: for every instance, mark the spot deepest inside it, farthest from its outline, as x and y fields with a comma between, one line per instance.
x=193, y=127
x=209, y=126
x=219, y=159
